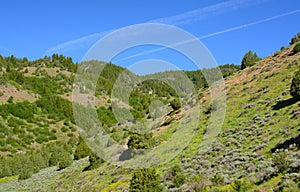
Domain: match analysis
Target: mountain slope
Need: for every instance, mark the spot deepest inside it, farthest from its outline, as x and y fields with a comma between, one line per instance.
x=257, y=149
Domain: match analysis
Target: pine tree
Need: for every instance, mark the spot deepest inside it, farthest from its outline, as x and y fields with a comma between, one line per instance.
x=296, y=48
x=82, y=150
x=295, y=86
x=60, y=157
x=249, y=59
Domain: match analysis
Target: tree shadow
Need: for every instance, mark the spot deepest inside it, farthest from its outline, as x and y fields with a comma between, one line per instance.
x=284, y=103
x=126, y=155
x=287, y=143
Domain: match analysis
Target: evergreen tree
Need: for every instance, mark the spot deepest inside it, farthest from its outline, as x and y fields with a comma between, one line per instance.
x=27, y=167
x=295, y=86
x=10, y=99
x=296, y=48
x=249, y=59
x=95, y=162
x=82, y=149
x=145, y=180
x=38, y=160
x=175, y=104
x=60, y=157
x=140, y=141
x=5, y=170
x=21, y=165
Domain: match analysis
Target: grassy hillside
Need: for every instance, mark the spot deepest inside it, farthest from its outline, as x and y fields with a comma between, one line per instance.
x=257, y=149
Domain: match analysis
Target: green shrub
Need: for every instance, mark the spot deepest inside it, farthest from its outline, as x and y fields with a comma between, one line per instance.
x=10, y=99
x=64, y=129
x=82, y=150
x=249, y=59
x=146, y=180
x=21, y=165
x=217, y=180
x=41, y=139
x=2, y=142
x=295, y=86
x=175, y=104
x=296, y=48
x=179, y=178
x=56, y=107
x=281, y=162
x=60, y=157
x=23, y=110
x=106, y=116
x=52, y=137
x=73, y=129
x=28, y=139
x=2, y=136
x=13, y=142
x=5, y=170
x=139, y=141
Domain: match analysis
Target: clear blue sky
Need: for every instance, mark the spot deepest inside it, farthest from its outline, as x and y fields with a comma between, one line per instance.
x=228, y=29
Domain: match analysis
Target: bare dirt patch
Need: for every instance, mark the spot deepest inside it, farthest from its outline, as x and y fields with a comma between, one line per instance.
x=18, y=95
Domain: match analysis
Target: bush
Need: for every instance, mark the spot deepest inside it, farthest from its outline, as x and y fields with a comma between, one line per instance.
x=296, y=48
x=146, y=180
x=64, y=129
x=24, y=110
x=217, y=180
x=295, y=86
x=82, y=150
x=179, y=178
x=95, y=162
x=175, y=104
x=60, y=157
x=281, y=162
x=41, y=139
x=139, y=141
x=249, y=59
x=5, y=170
x=10, y=99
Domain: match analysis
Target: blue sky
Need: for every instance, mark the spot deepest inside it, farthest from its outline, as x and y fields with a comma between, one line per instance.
x=228, y=29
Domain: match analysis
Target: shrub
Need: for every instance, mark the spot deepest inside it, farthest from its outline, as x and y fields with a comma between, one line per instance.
x=64, y=129
x=10, y=99
x=5, y=170
x=296, y=48
x=21, y=165
x=146, y=180
x=60, y=157
x=281, y=162
x=179, y=178
x=240, y=185
x=175, y=104
x=139, y=141
x=41, y=139
x=249, y=59
x=52, y=137
x=95, y=162
x=82, y=150
x=295, y=86
x=217, y=180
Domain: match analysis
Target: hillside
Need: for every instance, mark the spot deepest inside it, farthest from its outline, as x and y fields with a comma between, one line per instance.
x=42, y=150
